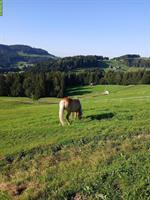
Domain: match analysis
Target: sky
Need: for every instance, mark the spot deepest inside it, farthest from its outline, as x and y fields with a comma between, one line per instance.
x=78, y=27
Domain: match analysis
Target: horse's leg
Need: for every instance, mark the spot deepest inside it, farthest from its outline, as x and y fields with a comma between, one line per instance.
x=67, y=117
x=61, y=112
x=72, y=115
x=77, y=115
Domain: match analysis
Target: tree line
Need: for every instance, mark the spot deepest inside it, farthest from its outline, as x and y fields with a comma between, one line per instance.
x=70, y=63
x=54, y=84
x=140, y=76
x=133, y=60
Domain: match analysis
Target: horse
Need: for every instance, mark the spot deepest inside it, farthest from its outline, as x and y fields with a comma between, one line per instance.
x=71, y=106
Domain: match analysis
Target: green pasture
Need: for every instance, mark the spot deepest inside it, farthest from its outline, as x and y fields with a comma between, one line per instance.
x=1, y=7
x=105, y=155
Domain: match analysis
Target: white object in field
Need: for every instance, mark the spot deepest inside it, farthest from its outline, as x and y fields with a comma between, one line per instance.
x=91, y=84
x=106, y=92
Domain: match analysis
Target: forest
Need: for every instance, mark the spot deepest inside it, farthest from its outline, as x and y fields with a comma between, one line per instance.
x=54, y=84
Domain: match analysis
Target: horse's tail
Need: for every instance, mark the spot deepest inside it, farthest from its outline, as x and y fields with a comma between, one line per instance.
x=61, y=112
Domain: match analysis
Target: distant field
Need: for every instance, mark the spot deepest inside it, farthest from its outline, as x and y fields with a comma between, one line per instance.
x=104, y=156
x=134, y=69
x=33, y=55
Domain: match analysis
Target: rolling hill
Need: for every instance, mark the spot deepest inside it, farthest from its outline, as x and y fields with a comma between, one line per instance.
x=23, y=57
x=14, y=56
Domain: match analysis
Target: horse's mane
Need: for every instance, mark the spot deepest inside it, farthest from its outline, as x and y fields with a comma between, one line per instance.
x=67, y=99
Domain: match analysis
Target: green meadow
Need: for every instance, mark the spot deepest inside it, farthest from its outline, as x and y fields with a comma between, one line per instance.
x=1, y=7
x=105, y=155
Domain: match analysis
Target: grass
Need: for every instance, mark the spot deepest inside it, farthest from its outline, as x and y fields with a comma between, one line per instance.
x=116, y=65
x=103, y=156
x=1, y=7
x=33, y=55
x=135, y=69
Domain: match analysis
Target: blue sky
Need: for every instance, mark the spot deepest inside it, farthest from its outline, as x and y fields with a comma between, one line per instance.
x=74, y=27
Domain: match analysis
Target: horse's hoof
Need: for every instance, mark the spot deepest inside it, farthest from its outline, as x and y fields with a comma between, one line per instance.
x=61, y=125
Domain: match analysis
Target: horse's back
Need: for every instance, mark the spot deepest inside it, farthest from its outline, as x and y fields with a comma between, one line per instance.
x=75, y=105
x=69, y=104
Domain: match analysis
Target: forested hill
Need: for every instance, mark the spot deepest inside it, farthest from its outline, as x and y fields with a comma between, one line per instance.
x=72, y=63
x=134, y=60
x=28, y=50
x=26, y=58
x=14, y=56
x=92, y=61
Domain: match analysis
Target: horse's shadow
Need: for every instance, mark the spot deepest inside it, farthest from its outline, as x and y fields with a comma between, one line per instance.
x=101, y=116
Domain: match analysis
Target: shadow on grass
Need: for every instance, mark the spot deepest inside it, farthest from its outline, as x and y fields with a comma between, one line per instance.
x=77, y=91
x=101, y=116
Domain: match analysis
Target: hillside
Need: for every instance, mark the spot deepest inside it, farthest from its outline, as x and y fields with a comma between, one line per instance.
x=134, y=60
x=73, y=63
x=103, y=156
x=78, y=63
x=29, y=50
x=26, y=58
x=14, y=56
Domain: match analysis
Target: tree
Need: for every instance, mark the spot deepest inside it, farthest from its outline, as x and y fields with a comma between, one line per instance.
x=3, y=86
x=146, y=77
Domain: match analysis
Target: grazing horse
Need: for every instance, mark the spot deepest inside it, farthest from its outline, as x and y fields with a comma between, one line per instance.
x=71, y=106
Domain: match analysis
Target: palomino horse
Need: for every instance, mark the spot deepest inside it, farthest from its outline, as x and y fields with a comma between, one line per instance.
x=71, y=106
